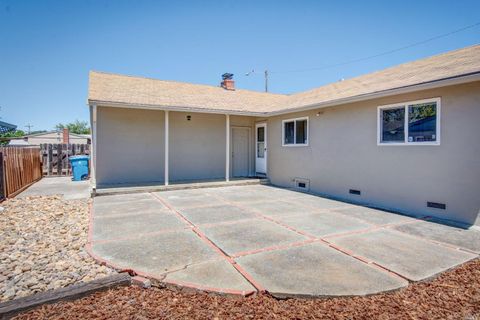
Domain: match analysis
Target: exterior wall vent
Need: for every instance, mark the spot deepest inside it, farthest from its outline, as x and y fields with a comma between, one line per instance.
x=436, y=205
x=353, y=191
x=302, y=184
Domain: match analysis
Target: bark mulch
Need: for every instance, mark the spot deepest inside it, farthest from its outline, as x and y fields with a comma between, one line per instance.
x=452, y=295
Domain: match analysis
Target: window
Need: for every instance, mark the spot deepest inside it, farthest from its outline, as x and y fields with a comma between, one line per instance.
x=410, y=123
x=295, y=132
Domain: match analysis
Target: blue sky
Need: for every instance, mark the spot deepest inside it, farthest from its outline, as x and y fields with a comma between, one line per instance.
x=48, y=47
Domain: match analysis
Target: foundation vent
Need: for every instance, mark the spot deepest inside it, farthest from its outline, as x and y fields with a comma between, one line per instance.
x=436, y=205
x=302, y=184
x=356, y=192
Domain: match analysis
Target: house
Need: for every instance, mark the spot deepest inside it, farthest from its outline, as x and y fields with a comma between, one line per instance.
x=51, y=137
x=404, y=138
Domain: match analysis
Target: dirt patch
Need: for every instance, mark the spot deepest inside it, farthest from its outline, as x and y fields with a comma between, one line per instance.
x=453, y=295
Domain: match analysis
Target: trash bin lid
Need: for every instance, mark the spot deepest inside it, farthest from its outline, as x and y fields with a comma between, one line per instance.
x=83, y=157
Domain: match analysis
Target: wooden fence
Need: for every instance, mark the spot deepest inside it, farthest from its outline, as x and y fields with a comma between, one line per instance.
x=55, y=157
x=20, y=167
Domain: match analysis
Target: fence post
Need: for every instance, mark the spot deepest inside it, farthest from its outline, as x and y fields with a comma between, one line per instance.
x=50, y=159
x=59, y=159
x=2, y=178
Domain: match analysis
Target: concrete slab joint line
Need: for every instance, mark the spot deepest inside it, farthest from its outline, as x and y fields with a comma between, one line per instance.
x=241, y=240
x=211, y=243
x=314, y=238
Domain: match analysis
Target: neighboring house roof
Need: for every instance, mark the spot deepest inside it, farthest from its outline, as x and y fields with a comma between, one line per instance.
x=18, y=142
x=113, y=89
x=46, y=133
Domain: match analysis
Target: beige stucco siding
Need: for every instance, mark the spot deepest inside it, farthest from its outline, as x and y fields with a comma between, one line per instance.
x=130, y=145
x=343, y=154
x=198, y=145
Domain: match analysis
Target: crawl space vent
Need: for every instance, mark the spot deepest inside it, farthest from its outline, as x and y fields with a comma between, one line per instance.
x=302, y=184
x=436, y=205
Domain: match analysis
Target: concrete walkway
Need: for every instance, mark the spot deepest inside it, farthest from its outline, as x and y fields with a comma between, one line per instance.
x=243, y=239
x=59, y=185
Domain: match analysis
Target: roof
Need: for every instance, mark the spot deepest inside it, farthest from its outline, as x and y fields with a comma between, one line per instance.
x=18, y=142
x=114, y=89
x=71, y=134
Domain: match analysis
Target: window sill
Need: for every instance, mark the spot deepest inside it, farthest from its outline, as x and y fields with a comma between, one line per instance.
x=396, y=144
x=295, y=145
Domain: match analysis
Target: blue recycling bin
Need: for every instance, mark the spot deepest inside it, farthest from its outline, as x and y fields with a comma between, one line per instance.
x=79, y=167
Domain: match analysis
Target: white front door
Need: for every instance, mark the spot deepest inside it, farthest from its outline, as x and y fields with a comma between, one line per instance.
x=261, y=148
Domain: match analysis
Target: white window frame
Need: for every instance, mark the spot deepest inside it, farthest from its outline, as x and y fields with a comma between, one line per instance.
x=405, y=106
x=295, y=144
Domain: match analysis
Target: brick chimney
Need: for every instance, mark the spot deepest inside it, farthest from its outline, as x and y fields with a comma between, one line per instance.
x=228, y=83
x=66, y=136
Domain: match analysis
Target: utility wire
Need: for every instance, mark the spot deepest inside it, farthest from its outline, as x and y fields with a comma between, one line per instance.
x=383, y=53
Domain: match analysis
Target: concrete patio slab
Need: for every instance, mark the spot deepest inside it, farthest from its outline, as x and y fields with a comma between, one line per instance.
x=187, y=201
x=128, y=188
x=216, y=214
x=127, y=226
x=324, y=223
x=157, y=254
x=125, y=208
x=318, y=202
x=276, y=192
x=316, y=270
x=122, y=198
x=278, y=208
x=64, y=186
x=242, y=195
x=410, y=257
x=250, y=235
x=377, y=217
x=217, y=275
x=285, y=256
x=463, y=238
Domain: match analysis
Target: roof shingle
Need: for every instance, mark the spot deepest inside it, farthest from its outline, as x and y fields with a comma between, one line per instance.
x=113, y=88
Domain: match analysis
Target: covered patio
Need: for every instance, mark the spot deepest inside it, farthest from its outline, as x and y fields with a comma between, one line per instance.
x=153, y=148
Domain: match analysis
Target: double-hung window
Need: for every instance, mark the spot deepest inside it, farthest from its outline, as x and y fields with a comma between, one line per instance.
x=409, y=123
x=295, y=132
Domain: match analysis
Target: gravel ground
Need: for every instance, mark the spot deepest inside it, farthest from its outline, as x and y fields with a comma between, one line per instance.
x=42, y=243
x=453, y=295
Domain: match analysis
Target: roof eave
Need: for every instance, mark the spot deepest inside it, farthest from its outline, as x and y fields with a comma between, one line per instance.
x=459, y=79
x=464, y=78
x=172, y=108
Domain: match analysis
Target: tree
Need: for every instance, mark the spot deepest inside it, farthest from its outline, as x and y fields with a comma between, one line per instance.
x=4, y=137
x=78, y=127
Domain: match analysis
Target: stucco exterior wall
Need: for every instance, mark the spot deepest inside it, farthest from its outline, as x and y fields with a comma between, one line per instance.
x=130, y=145
x=197, y=146
x=343, y=154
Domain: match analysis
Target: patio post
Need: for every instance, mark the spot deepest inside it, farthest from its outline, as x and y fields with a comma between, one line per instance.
x=166, y=146
x=227, y=149
x=93, y=152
